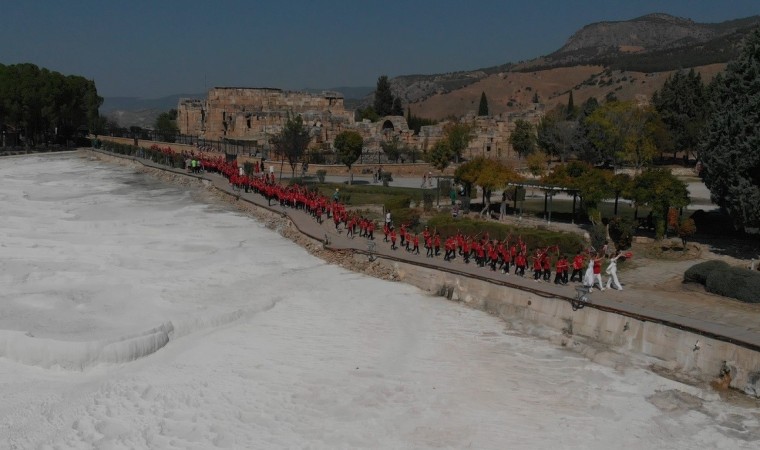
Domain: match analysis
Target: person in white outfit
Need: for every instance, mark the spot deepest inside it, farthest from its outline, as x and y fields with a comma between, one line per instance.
x=612, y=271
x=588, y=277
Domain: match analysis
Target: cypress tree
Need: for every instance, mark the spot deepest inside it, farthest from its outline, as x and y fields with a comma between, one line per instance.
x=570, y=107
x=398, y=109
x=383, y=97
x=483, y=107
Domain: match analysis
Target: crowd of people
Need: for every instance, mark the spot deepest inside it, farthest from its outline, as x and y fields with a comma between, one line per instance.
x=508, y=256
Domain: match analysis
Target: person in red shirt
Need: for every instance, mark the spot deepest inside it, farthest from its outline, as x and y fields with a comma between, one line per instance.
x=565, y=269
x=520, y=263
x=546, y=265
x=578, y=263
x=598, y=271
x=437, y=244
x=416, y=243
x=493, y=257
x=447, y=246
x=393, y=238
x=506, y=259
x=480, y=254
x=560, y=270
x=538, y=266
x=371, y=230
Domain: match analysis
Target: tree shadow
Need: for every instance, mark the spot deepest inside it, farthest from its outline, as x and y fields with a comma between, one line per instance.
x=735, y=246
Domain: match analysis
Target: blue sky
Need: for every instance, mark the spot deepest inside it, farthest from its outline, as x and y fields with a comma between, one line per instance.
x=151, y=49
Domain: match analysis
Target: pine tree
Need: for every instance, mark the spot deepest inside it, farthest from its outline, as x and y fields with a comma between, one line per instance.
x=682, y=104
x=483, y=107
x=730, y=149
x=383, y=97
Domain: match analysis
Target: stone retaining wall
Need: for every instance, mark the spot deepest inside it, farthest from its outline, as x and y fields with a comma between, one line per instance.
x=605, y=337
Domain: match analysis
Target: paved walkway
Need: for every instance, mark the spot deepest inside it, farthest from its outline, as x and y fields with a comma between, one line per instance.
x=720, y=318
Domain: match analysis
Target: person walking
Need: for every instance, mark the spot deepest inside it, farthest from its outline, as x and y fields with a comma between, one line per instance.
x=577, y=267
x=597, y=269
x=612, y=271
x=588, y=276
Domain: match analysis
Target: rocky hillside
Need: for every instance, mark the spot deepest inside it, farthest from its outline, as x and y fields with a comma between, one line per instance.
x=646, y=39
x=628, y=59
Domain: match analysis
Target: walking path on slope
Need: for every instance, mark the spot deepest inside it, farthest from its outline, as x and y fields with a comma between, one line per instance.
x=719, y=318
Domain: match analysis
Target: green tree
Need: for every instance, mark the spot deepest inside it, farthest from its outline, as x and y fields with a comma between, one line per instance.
x=582, y=144
x=622, y=186
x=483, y=106
x=291, y=143
x=392, y=148
x=366, y=113
x=488, y=174
x=383, y=104
x=682, y=105
x=415, y=122
x=537, y=162
x=627, y=131
x=660, y=190
x=458, y=136
x=556, y=134
x=348, y=145
x=523, y=138
x=166, y=127
x=441, y=155
x=43, y=105
x=730, y=149
x=593, y=184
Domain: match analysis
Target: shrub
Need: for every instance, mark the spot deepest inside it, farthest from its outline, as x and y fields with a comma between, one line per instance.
x=722, y=279
x=735, y=282
x=408, y=216
x=621, y=232
x=397, y=202
x=427, y=200
x=568, y=243
x=698, y=273
x=686, y=229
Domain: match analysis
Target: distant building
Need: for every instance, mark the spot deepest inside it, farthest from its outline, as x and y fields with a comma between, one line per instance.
x=257, y=114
